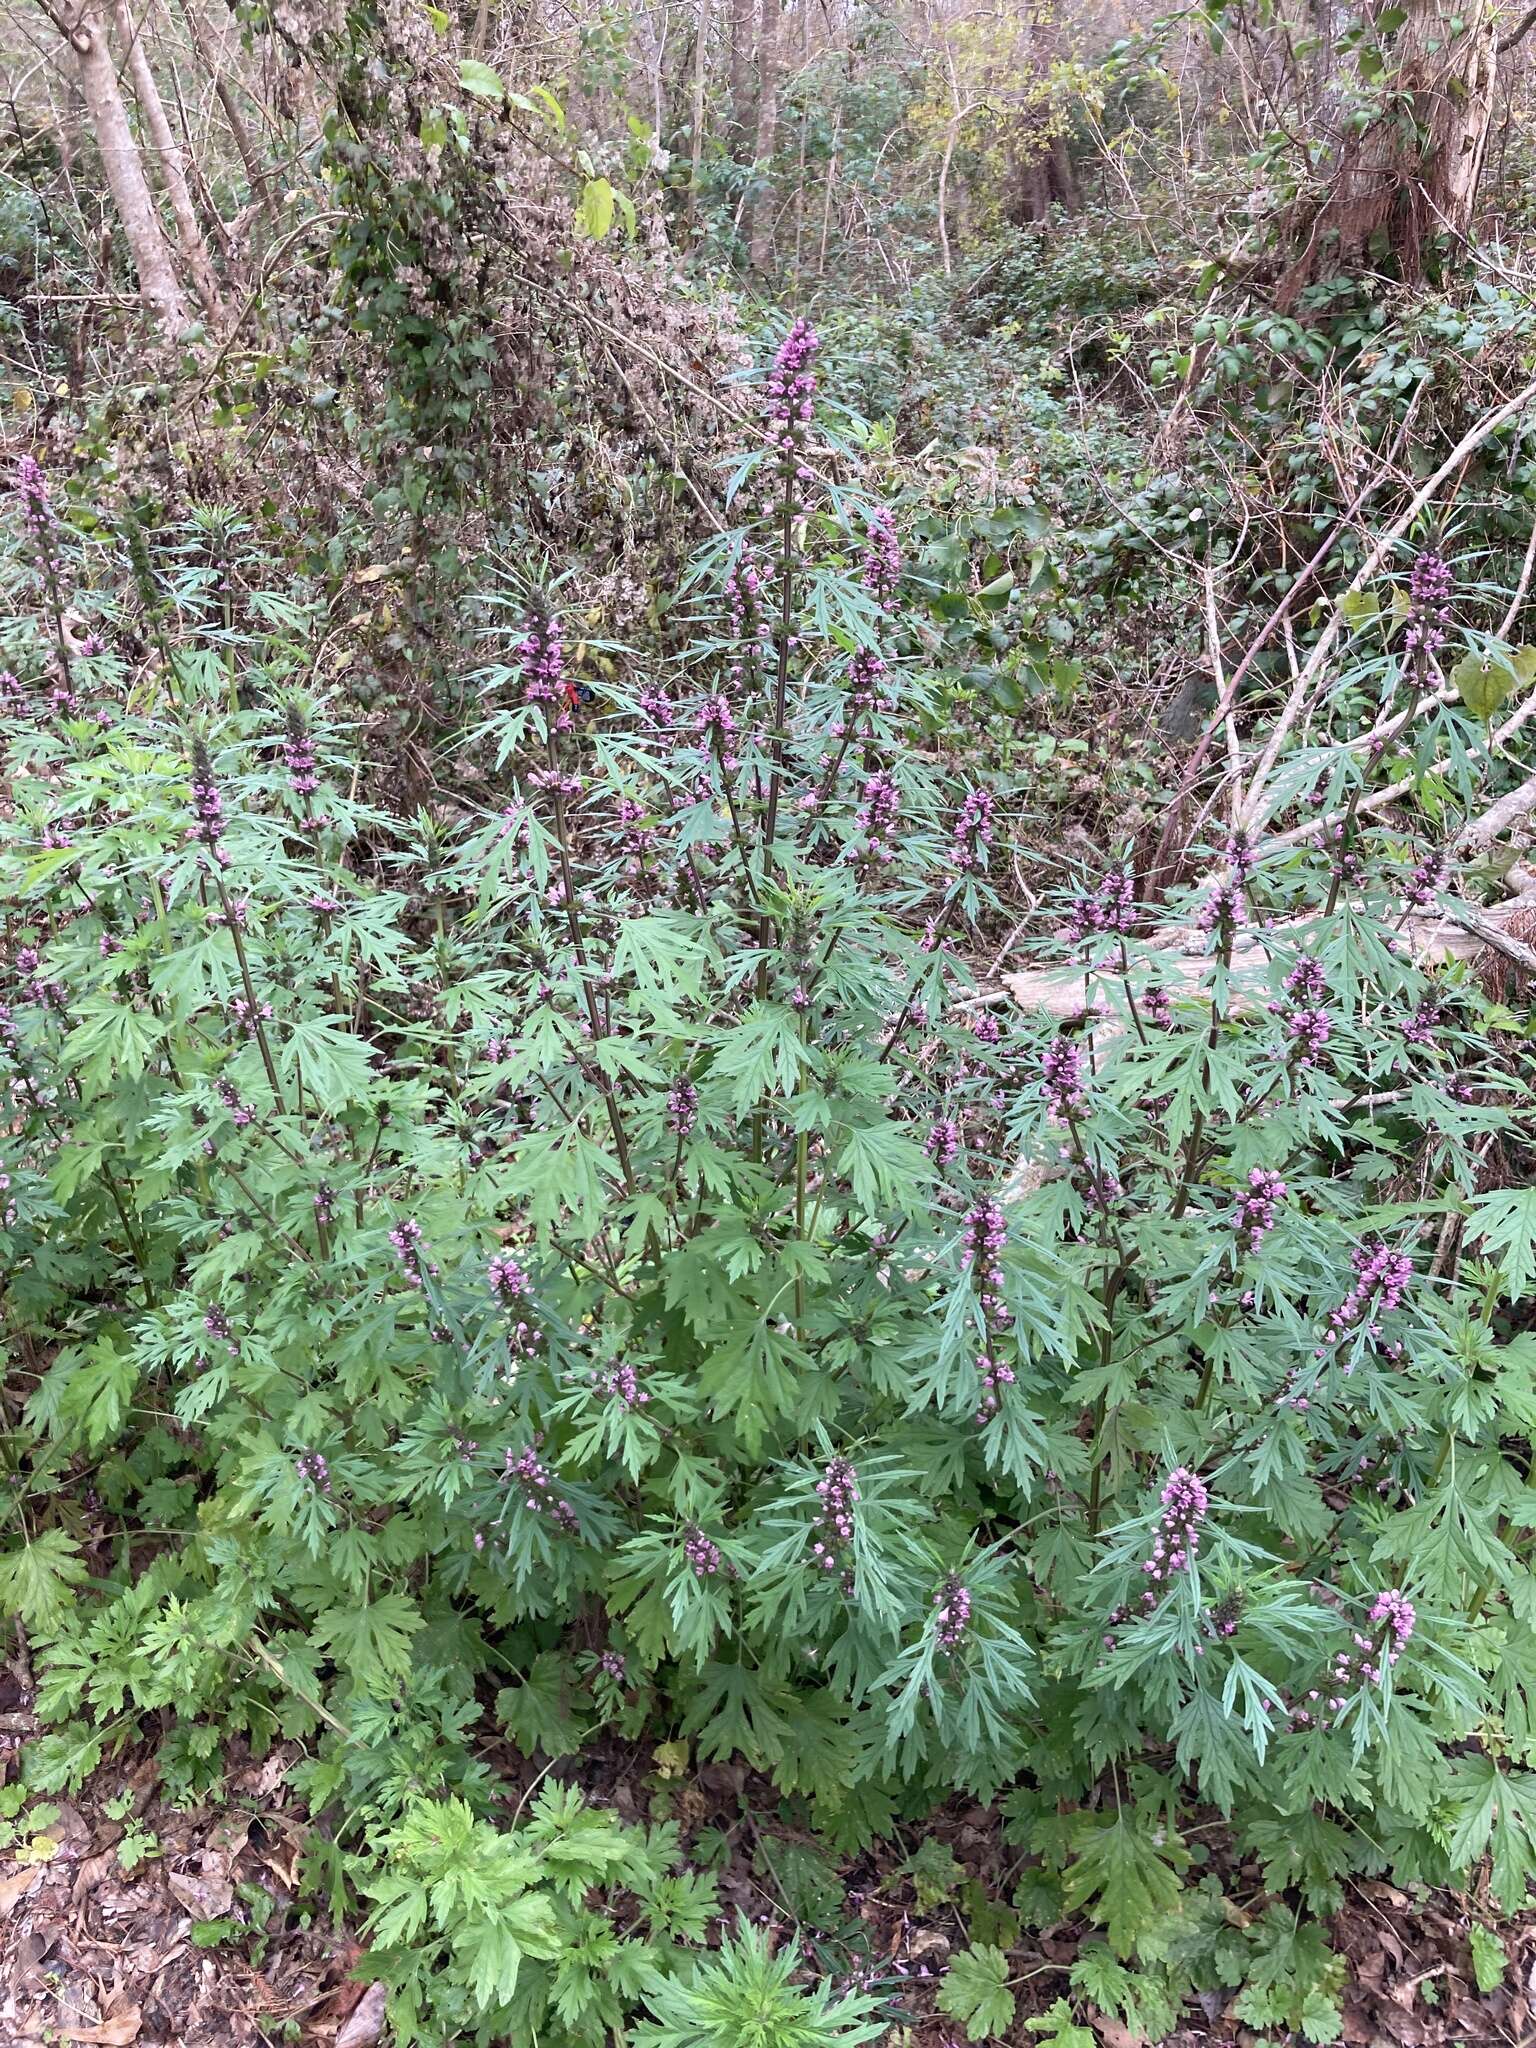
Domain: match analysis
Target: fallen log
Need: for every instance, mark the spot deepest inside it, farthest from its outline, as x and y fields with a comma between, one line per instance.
x=1455, y=930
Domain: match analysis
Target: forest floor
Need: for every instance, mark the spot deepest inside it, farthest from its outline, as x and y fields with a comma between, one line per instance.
x=129, y=1921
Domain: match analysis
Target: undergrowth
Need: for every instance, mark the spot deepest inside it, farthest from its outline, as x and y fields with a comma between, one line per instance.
x=586, y=1263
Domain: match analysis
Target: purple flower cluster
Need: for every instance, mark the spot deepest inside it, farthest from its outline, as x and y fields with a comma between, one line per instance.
x=1424, y=1026
x=970, y=846
x=1100, y=1186
x=1382, y=1280
x=217, y=1324
x=406, y=1239
x=508, y=1281
x=1109, y=908
x=240, y=1111
x=538, y=1484
x=984, y=1239
x=299, y=759
x=1225, y=910
x=314, y=1471
x=682, y=1106
x=832, y=1533
x=994, y=1374
x=951, y=1613
x=1175, y=1541
x=623, y=1385
x=512, y=1288
x=714, y=725
x=249, y=1017
x=942, y=1142
x=882, y=559
x=207, y=806
x=655, y=706
x=1253, y=1218
x=791, y=393
x=1063, y=1068
x=1242, y=856
x=541, y=653
x=745, y=584
x=1426, y=881
x=1306, y=981
x=866, y=687
x=703, y=1557
x=1367, y=1659
x=1308, y=1027
x=1226, y=1613
x=879, y=816
x=636, y=839
x=1338, y=842
x=32, y=490
x=34, y=984
x=1394, y=1609
x=1430, y=585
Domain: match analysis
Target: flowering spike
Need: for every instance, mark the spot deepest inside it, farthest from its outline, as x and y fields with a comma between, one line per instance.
x=541, y=653
x=406, y=1239
x=1430, y=586
x=952, y=1613
x=882, y=559
x=1254, y=1216
x=1062, y=1071
x=682, y=1106
x=207, y=806
x=970, y=848
x=32, y=490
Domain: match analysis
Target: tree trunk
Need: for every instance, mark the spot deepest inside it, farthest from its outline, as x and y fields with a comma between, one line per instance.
x=85, y=29
x=240, y=134
x=1063, y=177
x=1414, y=171
x=760, y=231
x=696, y=120
x=743, y=24
x=167, y=150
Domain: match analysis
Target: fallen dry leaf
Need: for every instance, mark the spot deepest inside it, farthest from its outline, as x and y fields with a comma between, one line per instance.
x=113, y=2033
x=271, y=1774
x=226, y=1839
x=17, y=1886
x=205, y=1898
x=1112, y=2034
x=366, y=2023
x=287, y=1874
x=928, y=1941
